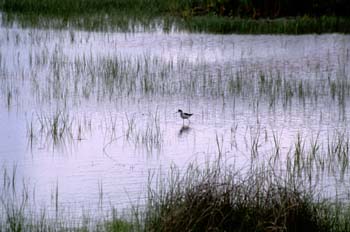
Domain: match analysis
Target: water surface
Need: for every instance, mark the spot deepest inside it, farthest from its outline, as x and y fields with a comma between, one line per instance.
x=91, y=114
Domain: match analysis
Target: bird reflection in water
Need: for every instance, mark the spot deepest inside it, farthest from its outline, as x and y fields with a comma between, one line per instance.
x=184, y=130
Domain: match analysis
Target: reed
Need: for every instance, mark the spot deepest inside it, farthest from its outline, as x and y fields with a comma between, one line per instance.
x=216, y=198
x=149, y=136
x=250, y=8
x=212, y=16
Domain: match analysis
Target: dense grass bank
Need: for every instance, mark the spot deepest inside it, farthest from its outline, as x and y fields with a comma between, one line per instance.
x=217, y=200
x=197, y=15
x=67, y=7
x=206, y=24
x=244, y=8
x=297, y=25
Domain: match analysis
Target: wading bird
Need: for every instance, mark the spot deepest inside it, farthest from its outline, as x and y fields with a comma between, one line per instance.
x=184, y=115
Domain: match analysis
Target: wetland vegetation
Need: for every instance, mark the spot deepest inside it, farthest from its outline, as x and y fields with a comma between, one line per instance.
x=248, y=175
x=90, y=139
x=228, y=16
x=215, y=196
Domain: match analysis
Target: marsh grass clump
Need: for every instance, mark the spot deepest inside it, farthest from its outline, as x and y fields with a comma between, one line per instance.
x=54, y=129
x=148, y=135
x=56, y=126
x=214, y=199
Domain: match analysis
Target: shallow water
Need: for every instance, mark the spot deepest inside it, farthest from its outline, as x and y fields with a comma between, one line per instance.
x=91, y=115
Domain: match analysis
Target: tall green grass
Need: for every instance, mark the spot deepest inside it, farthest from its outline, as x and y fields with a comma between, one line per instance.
x=124, y=22
x=66, y=7
x=297, y=25
x=212, y=16
x=264, y=197
x=246, y=8
x=220, y=200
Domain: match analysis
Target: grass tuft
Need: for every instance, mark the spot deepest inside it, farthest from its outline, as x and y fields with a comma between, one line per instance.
x=218, y=200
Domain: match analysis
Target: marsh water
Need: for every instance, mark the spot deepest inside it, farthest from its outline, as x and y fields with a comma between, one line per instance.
x=87, y=118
